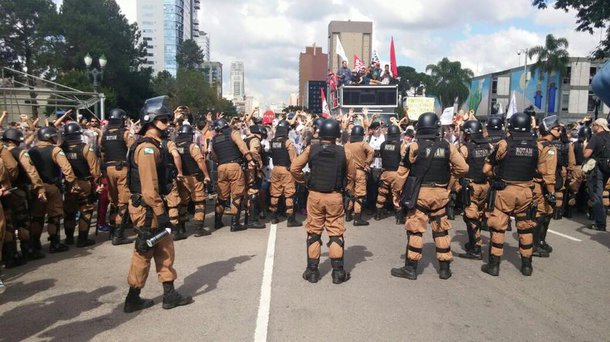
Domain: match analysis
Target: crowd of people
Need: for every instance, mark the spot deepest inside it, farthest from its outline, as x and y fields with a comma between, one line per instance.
x=159, y=172
x=373, y=75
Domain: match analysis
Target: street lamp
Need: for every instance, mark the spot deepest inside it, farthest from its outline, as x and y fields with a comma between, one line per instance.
x=95, y=72
x=525, y=53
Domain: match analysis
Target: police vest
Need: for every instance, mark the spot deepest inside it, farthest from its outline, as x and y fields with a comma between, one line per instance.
x=279, y=152
x=495, y=138
x=563, y=152
x=475, y=160
x=164, y=178
x=390, y=155
x=314, y=141
x=438, y=173
x=22, y=177
x=189, y=165
x=328, y=165
x=114, y=146
x=225, y=149
x=42, y=158
x=74, y=154
x=521, y=160
x=579, y=153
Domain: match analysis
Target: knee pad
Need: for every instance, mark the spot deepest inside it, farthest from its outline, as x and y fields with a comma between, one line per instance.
x=313, y=238
x=336, y=239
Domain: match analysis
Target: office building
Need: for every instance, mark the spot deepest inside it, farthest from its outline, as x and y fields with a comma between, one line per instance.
x=356, y=38
x=212, y=71
x=314, y=96
x=203, y=40
x=313, y=66
x=238, y=90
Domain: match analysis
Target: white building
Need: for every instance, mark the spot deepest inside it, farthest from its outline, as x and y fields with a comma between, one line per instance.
x=293, y=99
x=164, y=25
x=238, y=90
x=203, y=40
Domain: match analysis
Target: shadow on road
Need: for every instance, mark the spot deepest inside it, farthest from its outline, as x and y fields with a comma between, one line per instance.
x=17, y=292
x=603, y=238
x=353, y=256
x=27, y=320
x=209, y=275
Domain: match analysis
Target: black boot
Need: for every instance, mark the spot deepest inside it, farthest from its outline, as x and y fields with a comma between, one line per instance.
x=252, y=220
x=349, y=216
x=545, y=228
x=202, y=229
x=568, y=213
x=55, y=246
x=472, y=252
x=29, y=252
x=312, y=274
x=36, y=247
x=339, y=275
x=409, y=271
x=180, y=232
x=172, y=298
x=493, y=266
x=444, y=271
x=118, y=236
x=526, y=266
x=274, y=219
x=235, y=225
x=69, y=236
x=378, y=214
x=509, y=228
x=218, y=221
x=400, y=216
x=536, y=250
x=83, y=240
x=292, y=221
x=557, y=214
x=134, y=302
x=11, y=257
x=358, y=221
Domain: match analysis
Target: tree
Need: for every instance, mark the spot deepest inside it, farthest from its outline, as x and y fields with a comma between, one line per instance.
x=164, y=84
x=410, y=78
x=194, y=91
x=551, y=57
x=591, y=14
x=448, y=81
x=189, y=55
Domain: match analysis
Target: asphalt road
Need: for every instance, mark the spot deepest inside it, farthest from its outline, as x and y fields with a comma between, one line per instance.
x=78, y=295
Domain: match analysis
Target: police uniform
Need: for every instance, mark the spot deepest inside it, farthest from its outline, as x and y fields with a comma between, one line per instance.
x=177, y=211
x=577, y=175
x=115, y=143
x=566, y=161
x=283, y=153
x=432, y=160
x=84, y=163
x=11, y=257
x=5, y=183
x=393, y=174
x=363, y=155
x=50, y=162
x=515, y=162
x=332, y=167
x=253, y=177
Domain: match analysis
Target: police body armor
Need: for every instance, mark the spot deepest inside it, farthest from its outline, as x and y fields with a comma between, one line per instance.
x=164, y=177
x=279, y=152
x=189, y=165
x=475, y=160
x=521, y=160
x=390, y=155
x=22, y=177
x=42, y=158
x=579, y=153
x=495, y=138
x=328, y=165
x=74, y=154
x=114, y=146
x=563, y=152
x=225, y=149
x=438, y=173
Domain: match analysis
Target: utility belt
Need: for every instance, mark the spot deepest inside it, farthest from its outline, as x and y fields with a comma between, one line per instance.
x=327, y=192
x=433, y=185
x=234, y=161
x=118, y=165
x=495, y=185
x=137, y=201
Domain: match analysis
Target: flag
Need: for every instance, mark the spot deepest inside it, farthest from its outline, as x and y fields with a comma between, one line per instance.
x=512, y=106
x=456, y=105
x=358, y=65
x=375, y=58
x=500, y=108
x=340, y=51
x=393, y=66
x=325, y=109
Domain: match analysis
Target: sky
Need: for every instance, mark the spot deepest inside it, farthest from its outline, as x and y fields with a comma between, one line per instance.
x=268, y=35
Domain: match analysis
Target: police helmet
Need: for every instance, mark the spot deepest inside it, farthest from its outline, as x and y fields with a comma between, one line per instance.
x=283, y=123
x=472, y=127
x=71, y=129
x=117, y=115
x=495, y=123
x=547, y=124
x=281, y=131
x=220, y=124
x=14, y=135
x=519, y=123
x=186, y=130
x=317, y=122
x=393, y=133
x=584, y=133
x=357, y=134
x=257, y=129
x=154, y=108
x=47, y=133
x=428, y=125
x=330, y=129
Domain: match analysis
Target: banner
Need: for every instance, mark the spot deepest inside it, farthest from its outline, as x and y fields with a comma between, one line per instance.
x=419, y=105
x=447, y=116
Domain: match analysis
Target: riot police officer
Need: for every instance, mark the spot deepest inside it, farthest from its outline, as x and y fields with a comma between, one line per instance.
x=5, y=184
x=584, y=134
x=115, y=142
x=431, y=161
x=392, y=176
x=474, y=185
x=253, y=175
x=283, y=153
x=50, y=161
x=363, y=155
x=513, y=165
x=85, y=165
x=495, y=129
x=566, y=161
x=148, y=181
x=195, y=176
x=332, y=168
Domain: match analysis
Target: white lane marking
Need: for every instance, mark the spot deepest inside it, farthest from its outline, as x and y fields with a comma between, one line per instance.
x=565, y=236
x=262, y=319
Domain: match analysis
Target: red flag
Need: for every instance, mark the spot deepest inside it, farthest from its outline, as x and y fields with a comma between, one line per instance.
x=358, y=65
x=394, y=67
x=325, y=109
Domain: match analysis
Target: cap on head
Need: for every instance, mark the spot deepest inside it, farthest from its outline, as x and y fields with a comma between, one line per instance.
x=603, y=123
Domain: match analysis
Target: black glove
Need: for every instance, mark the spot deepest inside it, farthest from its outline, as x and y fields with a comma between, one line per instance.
x=551, y=199
x=140, y=243
x=163, y=221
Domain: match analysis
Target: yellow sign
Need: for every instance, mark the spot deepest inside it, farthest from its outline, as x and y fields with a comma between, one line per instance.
x=419, y=105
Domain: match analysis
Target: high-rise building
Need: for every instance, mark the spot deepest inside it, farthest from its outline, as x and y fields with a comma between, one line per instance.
x=212, y=71
x=293, y=99
x=238, y=89
x=203, y=40
x=313, y=66
x=356, y=38
x=314, y=96
x=164, y=25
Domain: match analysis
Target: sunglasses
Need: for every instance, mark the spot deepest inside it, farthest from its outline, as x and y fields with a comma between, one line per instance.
x=163, y=121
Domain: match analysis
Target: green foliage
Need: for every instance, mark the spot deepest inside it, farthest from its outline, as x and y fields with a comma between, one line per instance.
x=189, y=55
x=292, y=109
x=164, y=84
x=410, y=78
x=194, y=91
x=553, y=56
x=449, y=80
x=591, y=14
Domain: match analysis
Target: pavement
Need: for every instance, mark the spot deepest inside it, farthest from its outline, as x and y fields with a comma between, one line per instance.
x=247, y=286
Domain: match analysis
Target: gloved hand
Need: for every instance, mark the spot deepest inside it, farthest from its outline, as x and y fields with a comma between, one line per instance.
x=163, y=221
x=140, y=243
x=551, y=199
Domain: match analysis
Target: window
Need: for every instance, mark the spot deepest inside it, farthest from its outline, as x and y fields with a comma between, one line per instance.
x=567, y=76
x=147, y=39
x=592, y=101
x=565, y=101
x=592, y=72
x=494, y=85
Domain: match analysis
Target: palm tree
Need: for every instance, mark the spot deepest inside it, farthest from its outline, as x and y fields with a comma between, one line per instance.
x=449, y=81
x=552, y=57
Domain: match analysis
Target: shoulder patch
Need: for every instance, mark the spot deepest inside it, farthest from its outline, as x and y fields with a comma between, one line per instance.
x=61, y=153
x=149, y=150
x=26, y=154
x=551, y=152
x=91, y=149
